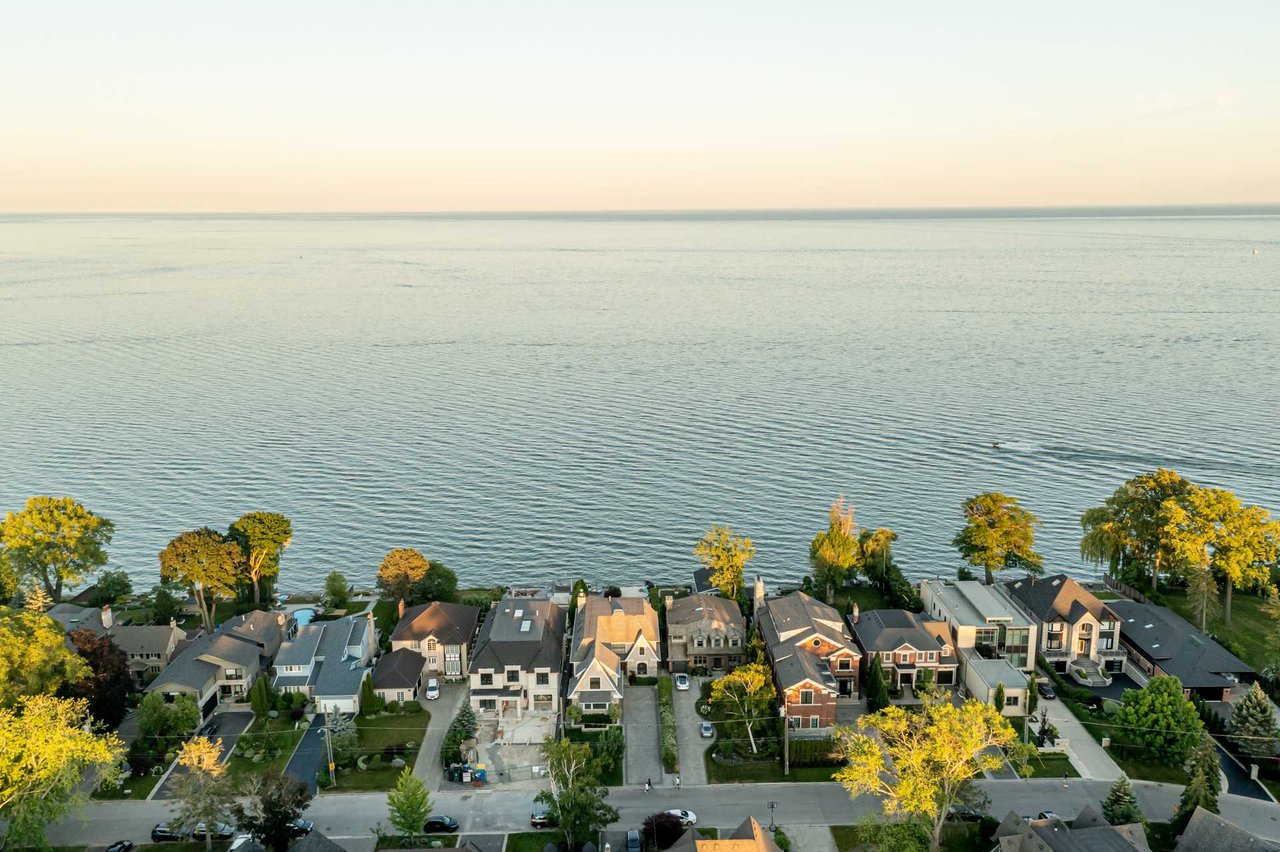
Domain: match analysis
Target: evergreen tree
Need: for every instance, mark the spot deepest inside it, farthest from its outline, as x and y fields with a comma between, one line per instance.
x=1120, y=807
x=260, y=697
x=877, y=688
x=1253, y=724
x=371, y=703
x=38, y=599
x=1204, y=784
x=345, y=738
x=1033, y=695
x=998, y=701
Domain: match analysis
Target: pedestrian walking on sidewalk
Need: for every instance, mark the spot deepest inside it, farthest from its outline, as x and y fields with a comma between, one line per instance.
x=677, y=782
x=648, y=785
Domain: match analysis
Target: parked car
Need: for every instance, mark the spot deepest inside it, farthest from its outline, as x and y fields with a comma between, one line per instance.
x=1045, y=690
x=682, y=681
x=633, y=841
x=687, y=818
x=541, y=818
x=165, y=833
x=433, y=689
x=301, y=827
x=964, y=813
x=1049, y=815
x=220, y=831
x=440, y=823
x=707, y=730
x=120, y=846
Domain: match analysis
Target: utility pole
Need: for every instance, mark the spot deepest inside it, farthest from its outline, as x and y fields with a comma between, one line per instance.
x=786, y=740
x=328, y=743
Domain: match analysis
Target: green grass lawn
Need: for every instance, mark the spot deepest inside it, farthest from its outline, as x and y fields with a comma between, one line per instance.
x=375, y=735
x=240, y=767
x=1052, y=765
x=531, y=841
x=1249, y=626
x=763, y=772
x=709, y=833
x=866, y=597
x=139, y=788
x=956, y=837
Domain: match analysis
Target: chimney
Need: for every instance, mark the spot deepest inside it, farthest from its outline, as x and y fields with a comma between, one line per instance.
x=758, y=592
x=107, y=619
x=856, y=612
x=373, y=635
x=400, y=609
x=173, y=623
x=582, y=599
x=668, y=601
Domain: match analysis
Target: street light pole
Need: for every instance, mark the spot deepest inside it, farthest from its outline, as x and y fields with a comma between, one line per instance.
x=786, y=740
x=772, y=826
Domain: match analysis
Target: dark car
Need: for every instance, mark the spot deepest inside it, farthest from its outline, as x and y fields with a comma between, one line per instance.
x=164, y=833
x=219, y=831
x=440, y=823
x=542, y=818
x=120, y=846
x=301, y=827
x=964, y=813
x=633, y=841
x=1045, y=690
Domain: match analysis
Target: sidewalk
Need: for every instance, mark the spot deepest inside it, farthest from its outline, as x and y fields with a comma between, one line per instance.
x=1087, y=756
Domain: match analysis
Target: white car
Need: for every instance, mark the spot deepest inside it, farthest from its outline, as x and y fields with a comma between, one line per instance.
x=687, y=818
x=433, y=689
x=682, y=681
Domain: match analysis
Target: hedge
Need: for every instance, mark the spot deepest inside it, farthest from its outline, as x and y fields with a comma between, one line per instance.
x=667, y=717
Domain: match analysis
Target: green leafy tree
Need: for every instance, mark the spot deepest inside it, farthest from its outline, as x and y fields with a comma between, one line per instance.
x=924, y=684
x=998, y=701
x=408, y=806
x=1159, y=719
x=271, y=801
x=439, y=584
x=165, y=602
x=337, y=594
x=47, y=748
x=1271, y=609
x=263, y=538
x=1204, y=782
x=205, y=793
x=56, y=542
x=877, y=689
x=109, y=683
x=111, y=587
x=207, y=564
x=163, y=720
x=836, y=553
x=1120, y=807
x=1128, y=532
x=998, y=534
x=34, y=657
x=344, y=736
x=745, y=696
x=400, y=570
x=877, y=553
x=576, y=800
x=755, y=646
x=1253, y=724
x=726, y=555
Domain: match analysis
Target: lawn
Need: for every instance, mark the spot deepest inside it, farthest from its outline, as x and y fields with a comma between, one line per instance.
x=762, y=773
x=709, y=833
x=1052, y=765
x=865, y=596
x=376, y=734
x=1249, y=626
x=531, y=841
x=1131, y=760
x=613, y=778
x=240, y=767
x=956, y=837
x=139, y=788
x=398, y=841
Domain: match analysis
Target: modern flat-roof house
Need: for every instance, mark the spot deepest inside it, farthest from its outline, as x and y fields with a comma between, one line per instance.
x=908, y=645
x=1088, y=832
x=815, y=661
x=1161, y=642
x=612, y=638
x=148, y=647
x=441, y=633
x=1078, y=633
x=518, y=657
x=981, y=617
x=328, y=661
x=704, y=632
x=399, y=675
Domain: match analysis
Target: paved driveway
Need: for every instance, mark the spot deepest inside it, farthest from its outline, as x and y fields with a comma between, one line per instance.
x=310, y=755
x=642, y=732
x=1088, y=757
x=693, y=771
x=442, y=711
x=222, y=726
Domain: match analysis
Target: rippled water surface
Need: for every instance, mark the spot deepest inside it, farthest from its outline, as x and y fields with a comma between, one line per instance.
x=544, y=398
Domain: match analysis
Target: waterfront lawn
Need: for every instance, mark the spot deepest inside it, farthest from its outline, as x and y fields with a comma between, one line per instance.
x=286, y=736
x=139, y=788
x=865, y=596
x=531, y=841
x=1249, y=626
x=376, y=734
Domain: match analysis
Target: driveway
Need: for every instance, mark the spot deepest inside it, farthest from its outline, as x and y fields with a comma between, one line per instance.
x=693, y=771
x=309, y=757
x=1088, y=757
x=1116, y=689
x=442, y=711
x=1238, y=780
x=643, y=736
x=226, y=727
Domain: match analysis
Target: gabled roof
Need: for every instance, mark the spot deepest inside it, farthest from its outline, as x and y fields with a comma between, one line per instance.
x=1057, y=598
x=505, y=641
x=301, y=650
x=73, y=617
x=794, y=667
x=713, y=609
x=798, y=616
x=140, y=639
x=880, y=630
x=200, y=661
x=1016, y=834
x=750, y=836
x=265, y=629
x=315, y=842
x=1208, y=832
x=448, y=624
x=600, y=622
x=398, y=670
x=1188, y=654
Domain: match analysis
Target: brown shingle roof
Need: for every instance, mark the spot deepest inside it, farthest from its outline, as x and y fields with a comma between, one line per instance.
x=450, y=624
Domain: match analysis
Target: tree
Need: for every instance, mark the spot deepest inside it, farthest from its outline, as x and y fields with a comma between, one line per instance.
x=1202, y=594
x=998, y=534
x=919, y=762
x=46, y=750
x=272, y=801
x=159, y=719
x=408, y=806
x=262, y=538
x=1204, y=782
x=755, y=646
x=109, y=682
x=662, y=829
x=726, y=555
x=1128, y=532
x=337, y=592
x=1271, y=609
x=1246, y=544
x=576, y=798
x=370, y=702
x=877, y=690
x=207, y=564
x=111, y=586
x=744, y=696
x=400, y=570
x=205, y=793
x=924, y=684
x=1033, y=695
x=56, y=542
x=1120, y=807
x=835, y=553
x=1159, y=719
x=439, y=584
x=38, y=599
x=261, y=698
x=165, y=601
x=344, y=736
x=998, y=701
x=1253, y=724
x=34, y=657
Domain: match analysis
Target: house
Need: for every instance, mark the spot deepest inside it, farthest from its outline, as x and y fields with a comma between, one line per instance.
x=441, y=633
x=612, y=638
x=1158, y=641
x=1208, y=832
x=148, y=647
x=815, y=661
x=1089, y=832
x=704, y=632
x=267, y=630
x=518, y=657
x=702, y=584
x=982, y=618
x=751, y=836
x=214, y=668
x=908, y=645
x=328, y=661
x=1078, y=633
x=399, y=675
x=983, y=678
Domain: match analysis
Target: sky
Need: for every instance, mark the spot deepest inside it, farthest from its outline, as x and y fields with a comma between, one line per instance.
x=595, y=105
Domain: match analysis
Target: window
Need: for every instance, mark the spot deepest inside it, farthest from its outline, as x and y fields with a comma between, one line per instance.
x=486, y=679
x=734, y=641
x=887, y=656
x=400, y=696
x=543, y=679
x=415, y=645
x=489, y=704
x=1011, y=701
x=933, y=656
x=794, y=722
x=234, y=674
x=699, y=642
x=717, y=641
x=1055, y=627
x=699, y=661
x=642, y=650
x=813, y=721
x=642, y=669
x=431, y=644
x=1086, y=629
x=806, y=696
x=452, y=662
x=817, y=643
x=594, y=683
x=513, y=675
x=843, y=664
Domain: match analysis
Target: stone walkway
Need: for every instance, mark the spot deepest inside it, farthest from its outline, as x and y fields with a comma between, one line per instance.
x=642, y=732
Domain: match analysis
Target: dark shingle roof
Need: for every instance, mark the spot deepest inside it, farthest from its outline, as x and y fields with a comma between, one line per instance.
x=887, y=629
x=1180, y=649
x=450, y=624
x=702, y=581
x=316, y=842
x=505, y=641
x=398, y=670
x=1208, y=832
x=1057, y=598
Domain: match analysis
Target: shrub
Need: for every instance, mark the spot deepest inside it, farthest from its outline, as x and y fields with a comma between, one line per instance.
x=411, y=707
x=667, y=718
x=393, y=707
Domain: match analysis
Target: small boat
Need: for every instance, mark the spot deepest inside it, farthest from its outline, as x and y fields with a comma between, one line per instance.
x=995, y=445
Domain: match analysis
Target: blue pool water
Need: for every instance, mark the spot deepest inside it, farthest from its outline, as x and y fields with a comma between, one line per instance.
x=304, y=616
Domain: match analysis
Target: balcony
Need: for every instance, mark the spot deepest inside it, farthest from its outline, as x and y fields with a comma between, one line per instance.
x=1056, y=653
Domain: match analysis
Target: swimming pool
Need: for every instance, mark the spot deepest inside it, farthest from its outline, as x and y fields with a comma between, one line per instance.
x=304, y=616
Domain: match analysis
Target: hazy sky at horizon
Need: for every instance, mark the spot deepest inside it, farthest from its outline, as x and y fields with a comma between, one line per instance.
x=399, y=105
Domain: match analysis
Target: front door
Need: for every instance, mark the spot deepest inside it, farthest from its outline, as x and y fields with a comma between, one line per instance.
x=1083, y=646
x=904, y=681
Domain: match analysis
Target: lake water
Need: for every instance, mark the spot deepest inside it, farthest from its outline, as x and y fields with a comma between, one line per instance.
x=549, y=397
